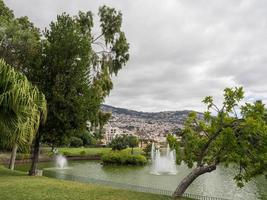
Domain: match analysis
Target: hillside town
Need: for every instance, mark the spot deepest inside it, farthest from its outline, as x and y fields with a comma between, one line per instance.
x=146, y=126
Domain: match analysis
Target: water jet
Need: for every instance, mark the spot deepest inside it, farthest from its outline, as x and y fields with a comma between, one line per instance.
x=163, y=164
x=61, y=161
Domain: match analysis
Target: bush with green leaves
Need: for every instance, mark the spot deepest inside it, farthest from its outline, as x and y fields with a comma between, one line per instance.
x=123, y=141
x=132, y=142
x=119, y=142
x=83, y=153
x=123, y=158
x=87, y=138
x=76, y=142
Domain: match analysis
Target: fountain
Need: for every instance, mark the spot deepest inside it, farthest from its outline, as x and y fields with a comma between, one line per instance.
x=162, y=164
x=61, y=161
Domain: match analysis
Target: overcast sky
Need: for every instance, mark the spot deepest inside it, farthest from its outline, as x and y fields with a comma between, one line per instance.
x=180, y=50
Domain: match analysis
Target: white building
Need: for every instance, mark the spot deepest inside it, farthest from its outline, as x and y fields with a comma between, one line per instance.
x=111, y=132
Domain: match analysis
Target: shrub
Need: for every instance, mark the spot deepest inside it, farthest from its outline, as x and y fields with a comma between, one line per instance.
x=87, y=138
x=83, y=153
x=119, y=142
x=132, y=142
x=76, y=142
x=147, y=149
x=123, y=158
x=66, y=153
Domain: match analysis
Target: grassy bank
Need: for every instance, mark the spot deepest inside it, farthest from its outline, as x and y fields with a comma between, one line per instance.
x=47, y=155
x=17, y=185
x=92, y=151
x=83, y=151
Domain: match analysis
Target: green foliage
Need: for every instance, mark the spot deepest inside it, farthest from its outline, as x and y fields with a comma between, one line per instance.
x=76, y=142
x=68, y=52
x=89, y=151
x=22, y=107
x=123, y=141
x=87, y=138
x=20, y=44
x=71, y=66
x=132, y=142
x=123, y=158
x=119, y=142
x=83, y=153
x=174, y=144
x=76, y=77
x=228, y=137
x=147, y=149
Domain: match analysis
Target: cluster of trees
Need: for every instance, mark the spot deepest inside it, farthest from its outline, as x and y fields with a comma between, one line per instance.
x=84, y=139
x=69, y=64
x=121, y=142
x=119, y=156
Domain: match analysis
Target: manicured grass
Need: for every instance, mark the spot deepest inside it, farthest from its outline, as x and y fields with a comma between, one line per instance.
x=90, y=151
x=19, y=186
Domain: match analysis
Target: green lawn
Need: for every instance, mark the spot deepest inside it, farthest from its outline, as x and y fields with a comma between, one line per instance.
x=17, y=185
x=90, y=151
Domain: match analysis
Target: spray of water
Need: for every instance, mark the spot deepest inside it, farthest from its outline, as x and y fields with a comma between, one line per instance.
x=163, y=163
x=61, y=161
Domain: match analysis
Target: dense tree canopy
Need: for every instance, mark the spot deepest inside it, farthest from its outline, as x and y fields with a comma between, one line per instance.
x=19, y=43
x=78, y=68
x=228, y=138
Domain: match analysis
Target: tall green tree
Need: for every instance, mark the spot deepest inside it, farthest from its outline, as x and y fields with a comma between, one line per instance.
x=228, y=137
x=22, y=109
x=132, y=142
x=78, y=68
x=76, y=72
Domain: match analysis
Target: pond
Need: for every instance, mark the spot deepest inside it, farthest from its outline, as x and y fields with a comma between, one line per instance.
x=218, y=183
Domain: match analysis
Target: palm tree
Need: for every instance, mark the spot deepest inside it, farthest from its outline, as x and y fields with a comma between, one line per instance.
x=22, y=109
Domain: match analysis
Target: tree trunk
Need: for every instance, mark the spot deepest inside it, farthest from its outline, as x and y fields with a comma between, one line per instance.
x=35, y=155
x=13, y=157
x=184, y=184
x=132, y=151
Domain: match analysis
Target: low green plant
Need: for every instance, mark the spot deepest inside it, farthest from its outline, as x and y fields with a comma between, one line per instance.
x=83, y=153
x=66, y=153
x=76, y=142
x=123, y=158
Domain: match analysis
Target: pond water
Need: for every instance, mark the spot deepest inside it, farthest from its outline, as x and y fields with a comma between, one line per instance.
x=218, y=183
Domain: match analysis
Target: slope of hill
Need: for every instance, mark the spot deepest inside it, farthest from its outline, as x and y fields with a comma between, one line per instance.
x=164, y=116
x=147, y=124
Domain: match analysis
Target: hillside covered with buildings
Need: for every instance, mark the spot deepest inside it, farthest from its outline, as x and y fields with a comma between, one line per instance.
x=146, y=125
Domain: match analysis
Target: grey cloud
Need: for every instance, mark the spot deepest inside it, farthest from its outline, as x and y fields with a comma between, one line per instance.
x=181, y=50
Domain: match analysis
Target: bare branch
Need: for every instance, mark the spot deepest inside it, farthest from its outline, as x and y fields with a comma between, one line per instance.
x=216, y=108
x=99, y=52
x=93, y=41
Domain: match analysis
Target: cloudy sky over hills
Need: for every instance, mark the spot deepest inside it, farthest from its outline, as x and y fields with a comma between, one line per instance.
x=181, y=50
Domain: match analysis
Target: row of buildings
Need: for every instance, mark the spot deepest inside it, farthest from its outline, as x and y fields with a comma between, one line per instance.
x=143, y=136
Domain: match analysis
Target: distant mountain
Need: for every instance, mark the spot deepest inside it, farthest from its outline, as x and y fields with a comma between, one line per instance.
x=164, y=116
